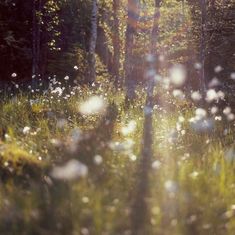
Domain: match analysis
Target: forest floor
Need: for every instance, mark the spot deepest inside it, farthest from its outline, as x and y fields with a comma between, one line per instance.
x=71, y=164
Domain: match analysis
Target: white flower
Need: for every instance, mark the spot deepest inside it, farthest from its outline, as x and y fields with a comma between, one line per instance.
x=197, y=66
x=181, y=119
x=26, y=130
x=232, y=76
x=218, y=69
x=214, y=110
x=124, y=146
x=129, y=128
x=156, y=165
x=201, y=113
x=196, y=96
x=227, y=111
x=178, y=94
x=171, y=186
x=178, y=75
x=231, y=117
x=70, y=171
x=202, y=125
x=93, y=105
x=211, y=95
x=98, y=159
x=57, y=90
x=214, y=83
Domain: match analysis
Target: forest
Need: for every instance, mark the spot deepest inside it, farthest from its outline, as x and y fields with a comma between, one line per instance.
x=117, y=117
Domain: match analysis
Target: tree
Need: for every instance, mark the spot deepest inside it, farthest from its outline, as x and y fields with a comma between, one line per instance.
x=203, y=45
x=140, y=212
x=132, y=20
x=116, y=43
x=92, y=45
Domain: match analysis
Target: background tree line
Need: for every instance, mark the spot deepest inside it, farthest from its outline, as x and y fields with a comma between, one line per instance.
x=41, y=38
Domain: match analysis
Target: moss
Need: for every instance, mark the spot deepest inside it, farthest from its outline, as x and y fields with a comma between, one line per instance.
x=17, y=162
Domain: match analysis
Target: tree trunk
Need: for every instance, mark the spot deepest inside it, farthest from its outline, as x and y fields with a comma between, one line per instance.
x=132, y=20
x=34, y=35
x=203, y=45
x=92, y=44
x=39, y=38
x=116, y=43
x=140, y=213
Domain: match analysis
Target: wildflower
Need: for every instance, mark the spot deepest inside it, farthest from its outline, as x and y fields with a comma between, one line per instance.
x=218, y=69
x=177, y=75
x=211, y=95
x=198, y=66
x=98, y=159
x=232, y=76
x=171, y=186
x=26, y=130
x=122, y=146
x=201, y=125
x=156, y=165
x=57, y=90
x=227, y=111
x=196, y=96
x=131, y=126
x=214, y=110
x=66, y=78
x=231, y=117
x=70, y=171
x=200, y=113
x=214, y=83
x=178, y=94
x=93, y=105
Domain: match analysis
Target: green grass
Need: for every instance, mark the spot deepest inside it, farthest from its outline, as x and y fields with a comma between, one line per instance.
x=191, y=186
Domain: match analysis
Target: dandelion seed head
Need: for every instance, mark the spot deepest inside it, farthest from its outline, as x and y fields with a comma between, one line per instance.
x=66, y=78
x=196, y=96
x=231, y=117
x=93, y=105
x=26, y=130
x=214, y=83
x=232, y=76
x=218, y=69
x=98, y=159
x=177, y=75
x=70, y=171
x=200, y=113
x=214, y=110
x=171, y=186
x=197, y=66
x=227, y=110
x=129, y=128
x=156, y=165
x=211, y=95
x=178, y=94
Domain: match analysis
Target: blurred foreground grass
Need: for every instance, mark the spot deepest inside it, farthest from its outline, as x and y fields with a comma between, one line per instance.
x=67, y=173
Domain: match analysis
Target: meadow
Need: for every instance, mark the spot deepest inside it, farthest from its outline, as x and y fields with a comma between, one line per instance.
x=72, y=162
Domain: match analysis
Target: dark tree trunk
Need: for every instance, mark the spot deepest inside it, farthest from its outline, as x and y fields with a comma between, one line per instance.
x=116, y=43
x=36, y=34
x=203, y=45
x=132, y=20
x=92, y=45
x=140, y=213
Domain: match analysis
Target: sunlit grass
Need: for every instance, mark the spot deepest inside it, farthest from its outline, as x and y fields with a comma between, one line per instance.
x=191, y=178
